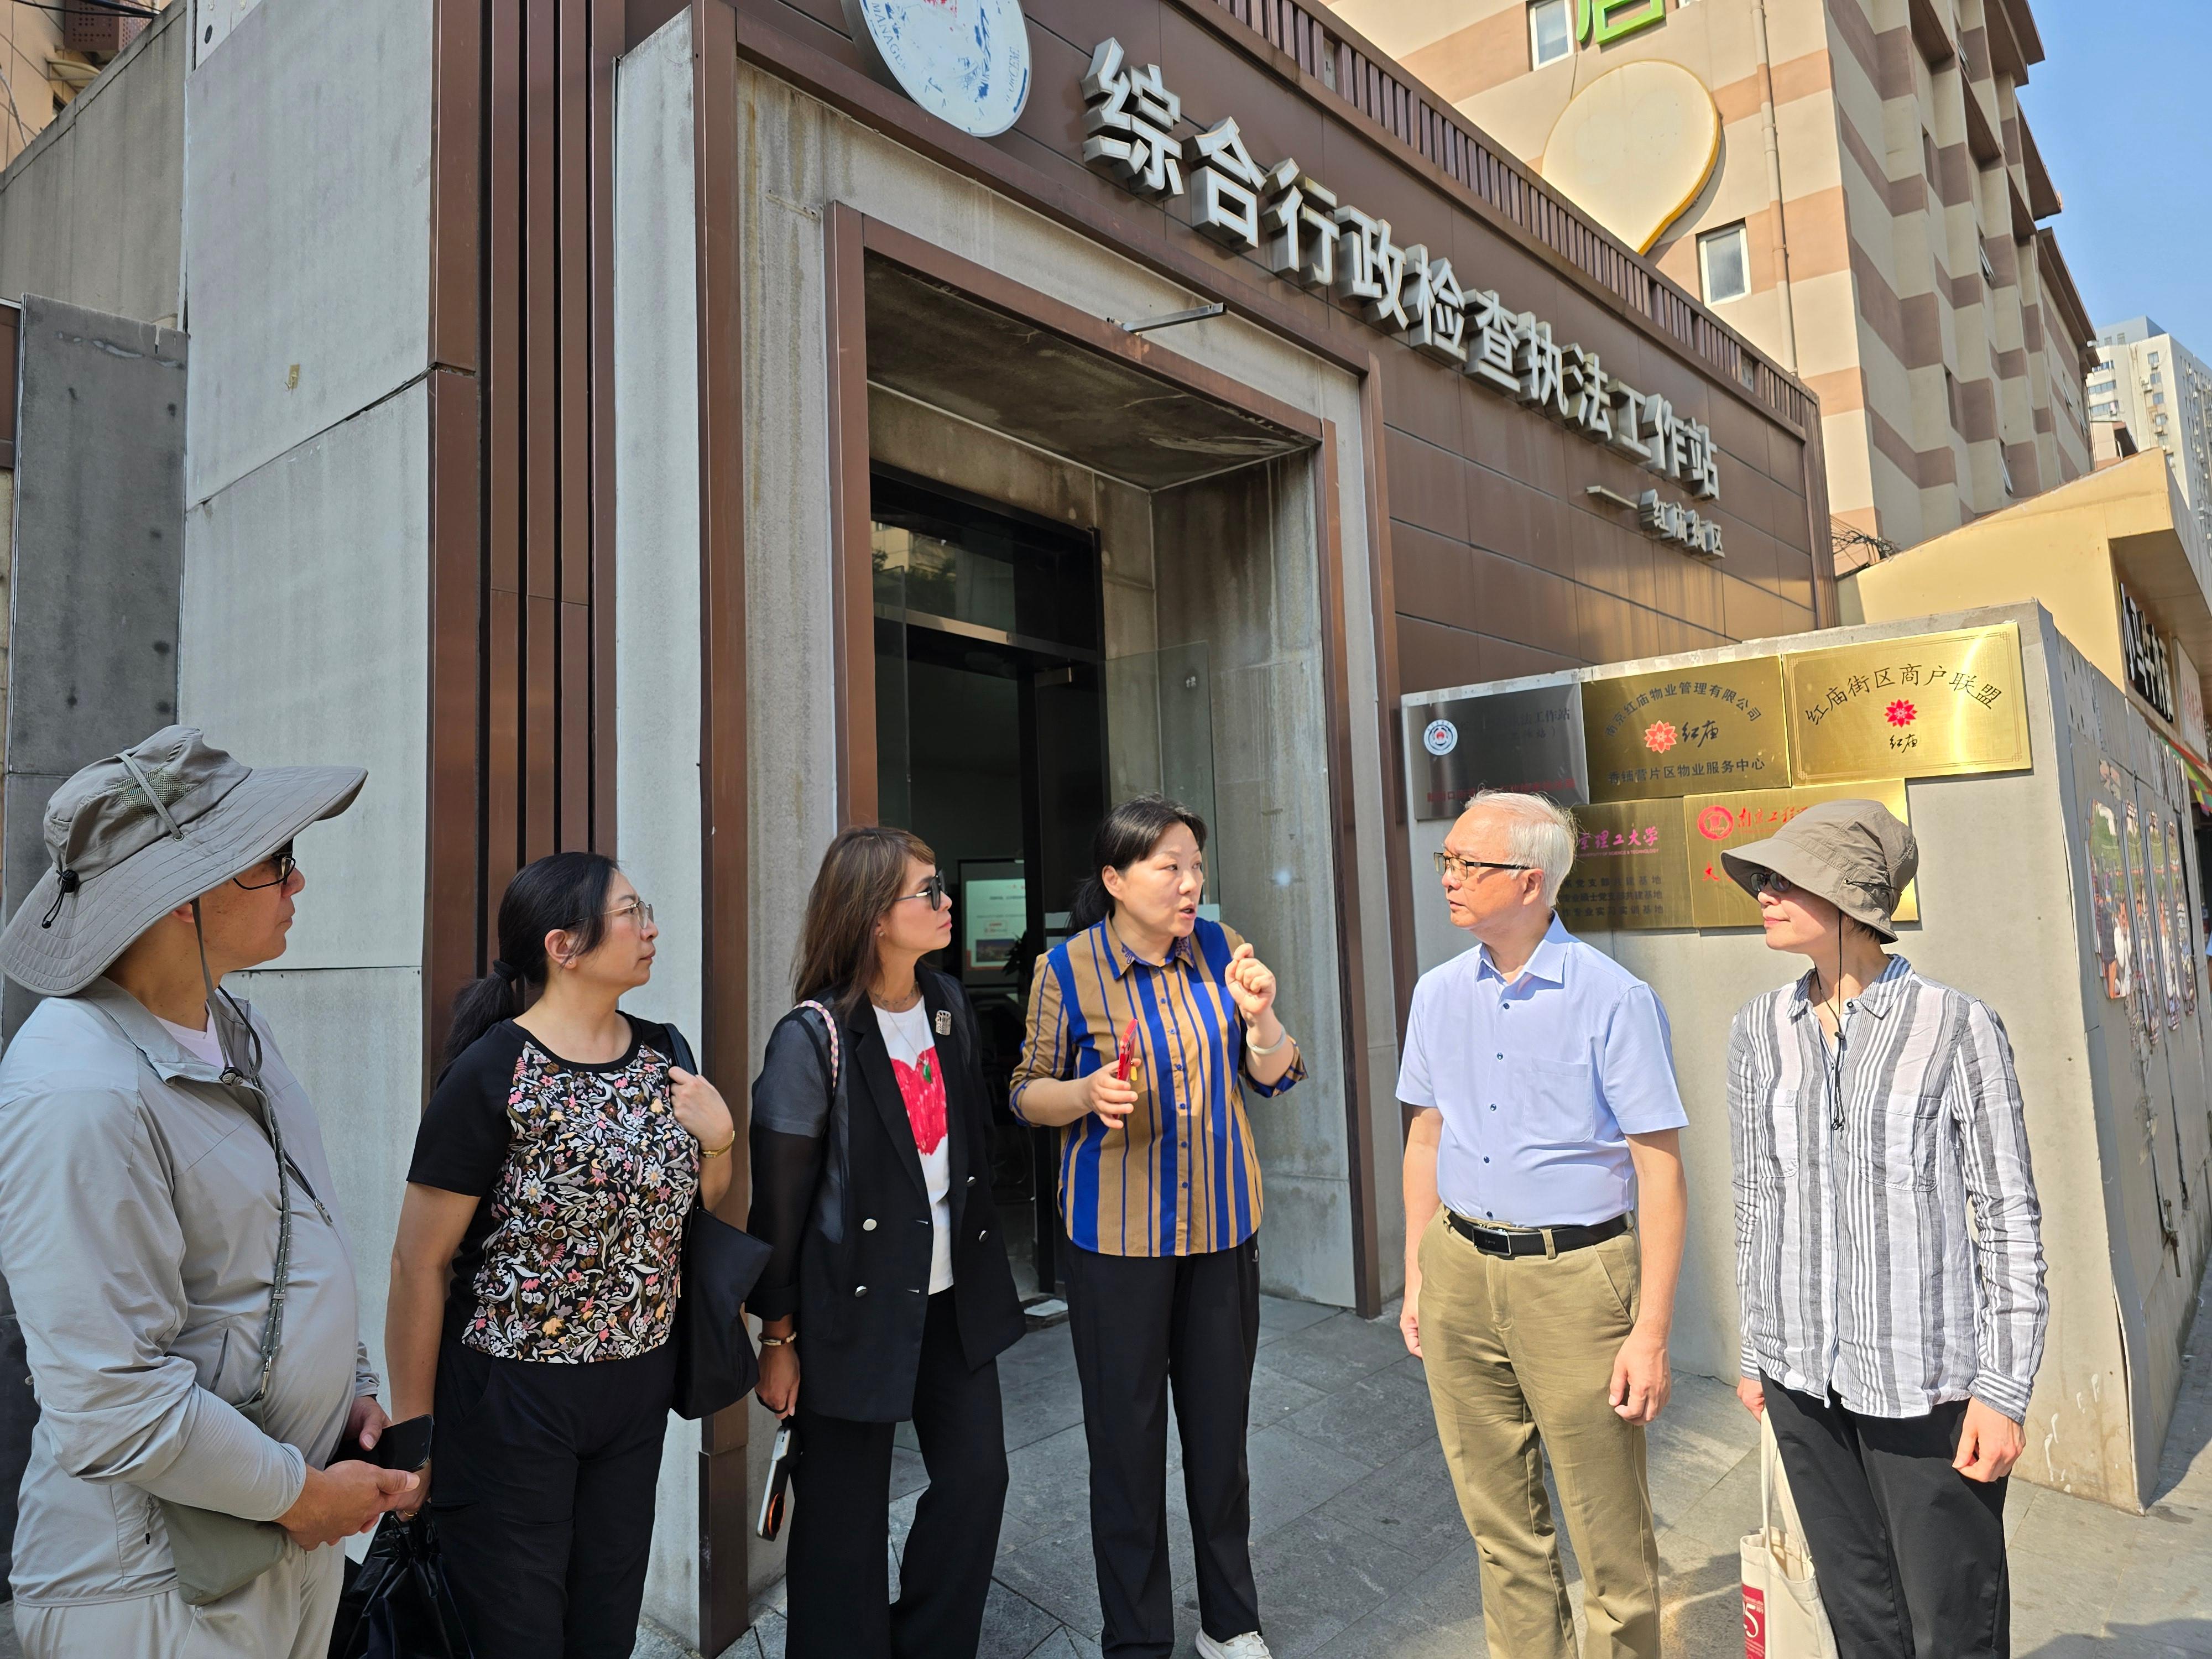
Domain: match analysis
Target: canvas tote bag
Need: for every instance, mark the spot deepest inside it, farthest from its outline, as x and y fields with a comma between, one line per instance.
x=1783, y=1618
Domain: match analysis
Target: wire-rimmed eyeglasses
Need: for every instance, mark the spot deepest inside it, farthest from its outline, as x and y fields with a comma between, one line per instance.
x=1459, y=869
x=633, y=909
x=281, y=860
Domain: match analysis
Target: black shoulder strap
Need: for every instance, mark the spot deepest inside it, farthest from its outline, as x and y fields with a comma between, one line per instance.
x=680, y=1049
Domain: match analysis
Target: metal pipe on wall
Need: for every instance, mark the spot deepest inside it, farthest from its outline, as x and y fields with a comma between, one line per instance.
x=1774, y=181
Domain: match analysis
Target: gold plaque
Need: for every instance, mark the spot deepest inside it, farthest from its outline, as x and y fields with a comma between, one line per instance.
x=1632, y=868
x=1927, y=706
x=1719, y=823
x=1686, y=731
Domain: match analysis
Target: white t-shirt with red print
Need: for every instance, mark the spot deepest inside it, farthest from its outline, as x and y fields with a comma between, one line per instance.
x=922, y=1085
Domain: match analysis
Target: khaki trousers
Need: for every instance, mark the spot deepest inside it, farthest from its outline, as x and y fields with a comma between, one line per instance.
x=1519, y=1353
x=285, y=1614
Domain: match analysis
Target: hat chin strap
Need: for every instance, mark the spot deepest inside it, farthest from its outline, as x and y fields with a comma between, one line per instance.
x=220, y=1002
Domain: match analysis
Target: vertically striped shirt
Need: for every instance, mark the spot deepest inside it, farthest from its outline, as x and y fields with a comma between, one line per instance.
x=1856, y=1265
x=1179, y=1176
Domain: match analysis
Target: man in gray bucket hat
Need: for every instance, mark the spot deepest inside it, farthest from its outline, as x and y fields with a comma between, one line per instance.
x=1891, y=1344
x=185, y=1291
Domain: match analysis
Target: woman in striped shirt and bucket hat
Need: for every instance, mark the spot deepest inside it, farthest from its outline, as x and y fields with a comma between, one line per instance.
x=1892, y=1345
x=1143, y=1027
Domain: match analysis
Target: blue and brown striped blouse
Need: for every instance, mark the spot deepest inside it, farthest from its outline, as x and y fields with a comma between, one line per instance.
x=1180, y=1176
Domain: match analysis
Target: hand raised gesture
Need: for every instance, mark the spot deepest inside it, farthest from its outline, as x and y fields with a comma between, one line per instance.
x=1252, y=982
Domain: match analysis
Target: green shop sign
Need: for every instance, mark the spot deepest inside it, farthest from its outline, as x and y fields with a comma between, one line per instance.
x=1598, y=21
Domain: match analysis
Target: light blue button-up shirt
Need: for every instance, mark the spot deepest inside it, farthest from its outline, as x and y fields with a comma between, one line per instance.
x=1541, y=1082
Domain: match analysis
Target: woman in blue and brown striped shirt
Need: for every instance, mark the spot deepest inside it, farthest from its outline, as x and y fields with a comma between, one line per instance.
x=1159, y=1185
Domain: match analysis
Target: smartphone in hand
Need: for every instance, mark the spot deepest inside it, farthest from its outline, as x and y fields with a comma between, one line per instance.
x=404, y=1446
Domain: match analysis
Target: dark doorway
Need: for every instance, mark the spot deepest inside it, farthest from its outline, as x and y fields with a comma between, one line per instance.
x=990, y=746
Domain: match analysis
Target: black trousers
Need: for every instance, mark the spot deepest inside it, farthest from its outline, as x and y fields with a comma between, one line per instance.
x=837, y=1576
x=541, y=1479
x=1143, y=1325
x=1910, y=1554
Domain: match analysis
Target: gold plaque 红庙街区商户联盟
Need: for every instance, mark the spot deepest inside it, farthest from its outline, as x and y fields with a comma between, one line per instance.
x=1632, y=868
x=1721, y=823
x=1926, y=706
x=1686, y=731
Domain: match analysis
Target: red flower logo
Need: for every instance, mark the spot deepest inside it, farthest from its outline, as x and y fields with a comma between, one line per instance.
x=1659, y=737
x=1900, y=713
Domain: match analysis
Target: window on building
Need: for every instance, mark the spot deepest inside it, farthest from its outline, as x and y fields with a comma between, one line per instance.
x=1724, y=263
x=2154, y=360
x=1550, y=32
x=1928, y=154
x=1951, y=399
x=2004, y=471
x=1989, y=270
x=2158, y=399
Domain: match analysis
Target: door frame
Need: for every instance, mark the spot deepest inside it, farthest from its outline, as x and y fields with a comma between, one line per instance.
x=849, y=237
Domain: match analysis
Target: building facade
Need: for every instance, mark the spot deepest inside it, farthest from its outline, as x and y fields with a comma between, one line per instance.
x=1851, y=183
x=48, y=54
x=2161, y=391
x=678, y=438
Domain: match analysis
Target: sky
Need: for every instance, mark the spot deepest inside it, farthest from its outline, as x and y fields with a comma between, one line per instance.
x=2135, y=172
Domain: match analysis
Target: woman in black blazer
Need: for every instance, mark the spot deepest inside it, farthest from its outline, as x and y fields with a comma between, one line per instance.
x=872, y=1185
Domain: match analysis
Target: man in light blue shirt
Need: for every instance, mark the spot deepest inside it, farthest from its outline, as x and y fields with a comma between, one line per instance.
x=1545, y=1206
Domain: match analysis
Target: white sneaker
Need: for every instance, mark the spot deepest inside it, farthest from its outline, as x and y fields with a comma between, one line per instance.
x=1247, y=1646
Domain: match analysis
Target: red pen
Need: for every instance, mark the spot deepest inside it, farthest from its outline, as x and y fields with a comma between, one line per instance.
x=1127, y=1054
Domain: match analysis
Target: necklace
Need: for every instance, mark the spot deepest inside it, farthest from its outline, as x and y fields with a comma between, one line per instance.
x=903, y=1007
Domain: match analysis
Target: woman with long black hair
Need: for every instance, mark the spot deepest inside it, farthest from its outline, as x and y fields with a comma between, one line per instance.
x=1160, y=1188
x=872, y=1185
x=556, y=1162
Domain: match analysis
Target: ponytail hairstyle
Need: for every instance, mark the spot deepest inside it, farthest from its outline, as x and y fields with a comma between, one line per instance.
x=860, y=878
x=1126, y=835
x=565, y=893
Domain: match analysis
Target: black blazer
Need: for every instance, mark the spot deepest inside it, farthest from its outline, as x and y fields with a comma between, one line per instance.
x=839, y=1197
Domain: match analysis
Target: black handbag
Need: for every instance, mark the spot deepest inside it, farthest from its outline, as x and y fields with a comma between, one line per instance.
x=397, y=1605
x=716, y=1365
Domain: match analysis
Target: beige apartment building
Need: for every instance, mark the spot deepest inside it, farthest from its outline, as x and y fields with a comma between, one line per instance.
x=1851, y=184
x=50, y=52
x=2161, y=391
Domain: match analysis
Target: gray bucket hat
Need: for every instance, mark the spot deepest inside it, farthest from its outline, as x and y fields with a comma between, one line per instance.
x=1854, y=853
x=136, y=834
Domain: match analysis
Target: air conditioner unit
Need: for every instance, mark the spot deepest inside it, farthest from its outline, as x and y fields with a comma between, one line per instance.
x=98, y=33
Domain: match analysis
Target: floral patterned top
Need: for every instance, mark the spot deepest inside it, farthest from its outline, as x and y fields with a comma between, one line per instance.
x=584, y=1177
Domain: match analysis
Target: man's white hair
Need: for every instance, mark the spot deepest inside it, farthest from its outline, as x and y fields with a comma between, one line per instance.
x=1539, y=833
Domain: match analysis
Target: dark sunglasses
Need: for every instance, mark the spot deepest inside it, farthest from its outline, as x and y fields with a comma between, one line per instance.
x=281, y=860
x=1774, y=882
x=932, y=889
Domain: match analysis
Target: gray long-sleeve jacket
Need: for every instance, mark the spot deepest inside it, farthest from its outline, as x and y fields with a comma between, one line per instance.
x=139, y=1226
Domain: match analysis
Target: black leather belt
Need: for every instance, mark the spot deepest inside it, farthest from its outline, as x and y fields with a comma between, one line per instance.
x=1493, y=1241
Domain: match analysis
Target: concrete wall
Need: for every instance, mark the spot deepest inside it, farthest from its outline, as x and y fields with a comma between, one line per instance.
x=306, y=538
x=92, y=211
x=657, y=633
x=2005, y=914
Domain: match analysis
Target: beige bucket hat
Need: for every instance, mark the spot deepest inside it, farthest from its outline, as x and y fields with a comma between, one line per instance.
x=1856, y=854
x=136, y=834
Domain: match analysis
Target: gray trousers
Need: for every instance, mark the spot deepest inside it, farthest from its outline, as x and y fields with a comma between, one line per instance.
x=285, y=1614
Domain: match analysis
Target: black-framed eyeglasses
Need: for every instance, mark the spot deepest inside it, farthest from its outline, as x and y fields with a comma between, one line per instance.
x=281, y=860
x=1457, y=869
x=633, y=909
x=1772, y=881
x=932, y=889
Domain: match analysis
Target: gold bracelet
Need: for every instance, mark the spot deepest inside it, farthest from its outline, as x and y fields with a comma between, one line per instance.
x=768, y=1341
x=719, y=1150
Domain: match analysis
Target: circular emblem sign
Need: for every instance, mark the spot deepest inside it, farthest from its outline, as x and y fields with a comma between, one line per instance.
x=1716, y=822
x=1440, y=738
x=964, y=61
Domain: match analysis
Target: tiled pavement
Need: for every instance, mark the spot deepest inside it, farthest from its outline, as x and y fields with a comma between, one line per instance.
x=1361, y=1553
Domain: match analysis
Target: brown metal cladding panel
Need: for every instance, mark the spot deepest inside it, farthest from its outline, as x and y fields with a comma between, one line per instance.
x=1517, y=601
x=1611, y=554
x=1425, y=485
x=457, y=113
x=1435, y=577
x=574, y=827
x=503, y=452
x=452, y=948
x=540, y=737
x=540, y=314
x=11, y=369
x=572, y=203
x=1382, y=589
x=723, y=758
x=1432, y=656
